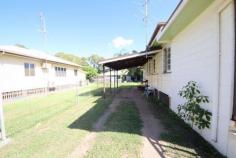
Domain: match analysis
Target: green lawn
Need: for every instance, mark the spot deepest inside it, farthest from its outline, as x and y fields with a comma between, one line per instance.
x=121, y=137
x=42, y=126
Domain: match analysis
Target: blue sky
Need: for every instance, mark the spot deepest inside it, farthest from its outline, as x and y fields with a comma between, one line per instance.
x=104, y=27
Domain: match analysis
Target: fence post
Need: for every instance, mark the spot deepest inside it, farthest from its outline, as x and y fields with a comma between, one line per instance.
x=2, y=126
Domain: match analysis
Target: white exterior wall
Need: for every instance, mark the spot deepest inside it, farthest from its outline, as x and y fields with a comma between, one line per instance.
x=13, y=74
x=195, y=56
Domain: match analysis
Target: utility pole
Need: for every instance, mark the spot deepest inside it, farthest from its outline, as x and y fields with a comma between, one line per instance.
x=43, y=29
x=145, y=19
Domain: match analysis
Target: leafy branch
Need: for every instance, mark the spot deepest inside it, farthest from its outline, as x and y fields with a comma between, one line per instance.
x=191, y=110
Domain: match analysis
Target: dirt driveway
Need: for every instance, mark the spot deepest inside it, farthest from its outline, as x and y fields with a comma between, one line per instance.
x=150, y=131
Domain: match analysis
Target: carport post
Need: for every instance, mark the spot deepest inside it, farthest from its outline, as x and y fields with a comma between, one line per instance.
x=110, y=79
x=114, y=79
x=104, y=86
x=117, y=79
x=2, y=126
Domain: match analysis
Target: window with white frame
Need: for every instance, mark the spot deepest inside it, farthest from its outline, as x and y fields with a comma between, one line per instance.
x=29, y=69
x=60, y=72
x=167, y=60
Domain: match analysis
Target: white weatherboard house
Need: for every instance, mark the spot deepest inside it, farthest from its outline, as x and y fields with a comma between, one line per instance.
x=26, y=71
x=198, y=44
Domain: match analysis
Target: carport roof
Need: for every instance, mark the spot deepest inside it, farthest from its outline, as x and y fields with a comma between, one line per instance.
x=129, y=61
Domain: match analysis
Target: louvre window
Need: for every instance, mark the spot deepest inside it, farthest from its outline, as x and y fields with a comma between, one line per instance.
x=60, y=72
x=167, y=60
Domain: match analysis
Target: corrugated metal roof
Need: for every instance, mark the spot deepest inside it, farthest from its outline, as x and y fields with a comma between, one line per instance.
x=16, y=50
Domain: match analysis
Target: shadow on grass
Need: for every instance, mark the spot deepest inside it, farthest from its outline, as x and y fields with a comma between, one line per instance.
x=87, y=120
x=181, y=138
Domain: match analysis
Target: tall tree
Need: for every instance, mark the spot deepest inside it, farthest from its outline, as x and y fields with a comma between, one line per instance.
x=94, y=62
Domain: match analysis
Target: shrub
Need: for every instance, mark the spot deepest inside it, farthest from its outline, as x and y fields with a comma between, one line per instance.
x=191, y=111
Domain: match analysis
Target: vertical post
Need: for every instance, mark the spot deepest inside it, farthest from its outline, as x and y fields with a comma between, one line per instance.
x=110, y=80
x=104, y=86
x=2, y=126
x=117, y=79
x=114, y=79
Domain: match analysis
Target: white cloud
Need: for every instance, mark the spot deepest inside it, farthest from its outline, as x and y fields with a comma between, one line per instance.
x=120, y=42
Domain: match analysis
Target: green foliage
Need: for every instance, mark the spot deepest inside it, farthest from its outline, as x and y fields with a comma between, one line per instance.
x=73, y=58
x=136, y=73
x=191, y=110
x=90, y=72
x=94, y=62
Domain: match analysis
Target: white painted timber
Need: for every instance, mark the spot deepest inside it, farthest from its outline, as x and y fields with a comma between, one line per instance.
x=196, y=55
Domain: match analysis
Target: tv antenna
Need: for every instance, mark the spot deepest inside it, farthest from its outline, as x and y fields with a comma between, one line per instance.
x=43, y=29
x=145, y=19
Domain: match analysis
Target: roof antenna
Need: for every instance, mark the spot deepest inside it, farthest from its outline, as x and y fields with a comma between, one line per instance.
x=42, y=29
x=145, y=19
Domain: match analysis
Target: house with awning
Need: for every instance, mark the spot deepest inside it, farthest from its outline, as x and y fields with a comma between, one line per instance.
x=197, y=43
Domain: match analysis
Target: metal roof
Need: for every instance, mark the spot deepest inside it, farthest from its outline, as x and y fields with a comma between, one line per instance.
x=16, y=50
x=129, y=61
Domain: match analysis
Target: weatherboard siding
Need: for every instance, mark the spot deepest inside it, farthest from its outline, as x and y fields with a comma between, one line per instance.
x=194, y=56
x=13, y=74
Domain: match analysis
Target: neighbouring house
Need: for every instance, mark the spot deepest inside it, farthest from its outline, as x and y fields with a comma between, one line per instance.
x=197, y=43
x=110, y=78
x=25, y=72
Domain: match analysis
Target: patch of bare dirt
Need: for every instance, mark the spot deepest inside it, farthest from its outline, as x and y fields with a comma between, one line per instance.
x=152, y=127
x=87, y=143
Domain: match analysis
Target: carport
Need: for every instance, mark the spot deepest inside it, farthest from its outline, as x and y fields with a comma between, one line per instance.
x=125, y=62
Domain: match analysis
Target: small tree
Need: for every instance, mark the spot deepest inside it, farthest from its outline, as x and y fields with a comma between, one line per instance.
x=191, y=110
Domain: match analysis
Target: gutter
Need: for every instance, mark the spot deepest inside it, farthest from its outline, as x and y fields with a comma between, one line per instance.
x=34, y=58
x=172, y=17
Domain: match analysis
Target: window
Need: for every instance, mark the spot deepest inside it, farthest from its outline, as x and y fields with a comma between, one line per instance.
x=167, y=60
x=76, y=72
x=29, y=69
x=60, y=72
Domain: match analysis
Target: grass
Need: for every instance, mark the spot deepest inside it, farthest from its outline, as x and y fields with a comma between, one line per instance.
x=181, y=140
x=42, y=126
x=121, y=137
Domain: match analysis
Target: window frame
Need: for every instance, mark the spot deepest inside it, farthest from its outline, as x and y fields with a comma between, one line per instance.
x=60, y=71
x=167, y=64
x=154, y=65
x=29, y=69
